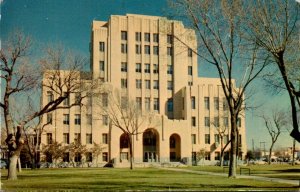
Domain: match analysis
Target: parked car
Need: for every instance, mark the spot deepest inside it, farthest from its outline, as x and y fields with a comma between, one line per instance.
x=3, y=164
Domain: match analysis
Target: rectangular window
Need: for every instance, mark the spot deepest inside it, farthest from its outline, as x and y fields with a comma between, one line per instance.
x=147, y=68
x=123, y=48
x=207, y=156
x=206, y=122
x=67, y=99
x=77, y=119
x=123, y=66
x=147, y=103
x=155, y=68
x=225, y=104
x=216, y=122
x=138, y=101
x=104, y=120
x=155, y=84
x=101, y=46
x=190, y=52
x=207, y=138
x=49, y=96
x=77, y=98
x=155, y=50
x=49, y=118
x=147, y=84
x=240, y=140
x=147, y=37
x=89, y=119
x=89, y=138
x=170, y=105
x=88, y=157
x=217, y=156
x=155, y=37
x=104, y=138
x=49, y=138
x=138, y=67
x=77, y=138
x=190, y=70
x=206, y=102
x=156, y=104
x=66, y=157
x=169, y=39
x=138, y=83
x=138, y=49
x=193, y=102
x=66, y=120
x=147, y=49
x=101, y=65
x=225, y=121
x=138, y=36
x=66, y=138
x=226, y=139
x=217, y=138
x=123, y=35
x=123, y=83
x=193, y=138
x=170, y=85
x=105, y=156
x=170, y=69
x=216, y=103
x=170, y=51
x=239, y=122
x=194, y=121
x=104, y=99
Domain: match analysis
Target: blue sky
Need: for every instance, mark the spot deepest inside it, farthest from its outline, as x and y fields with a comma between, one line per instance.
x=68, y=22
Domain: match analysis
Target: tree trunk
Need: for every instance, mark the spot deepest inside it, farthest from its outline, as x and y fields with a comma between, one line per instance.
x=222, y=153
x=12, y=169
x=19, y=165
x=130, y=151
x=233, y=150
x=270, y=153
x=293, y=151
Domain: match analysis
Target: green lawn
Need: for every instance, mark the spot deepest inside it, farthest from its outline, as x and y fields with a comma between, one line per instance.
x=283, y=171
x=100, y=179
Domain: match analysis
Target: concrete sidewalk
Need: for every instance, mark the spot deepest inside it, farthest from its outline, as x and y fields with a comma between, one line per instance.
x=286, y=181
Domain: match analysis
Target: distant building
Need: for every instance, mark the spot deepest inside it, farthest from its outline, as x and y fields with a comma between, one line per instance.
x=151, y=60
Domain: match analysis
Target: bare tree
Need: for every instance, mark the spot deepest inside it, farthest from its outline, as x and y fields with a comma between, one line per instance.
x=218, y=25
x=20, y=78
x=274, y=26
x=222, y=129
x=126, y=115
x=200, y=155
x=275, y=125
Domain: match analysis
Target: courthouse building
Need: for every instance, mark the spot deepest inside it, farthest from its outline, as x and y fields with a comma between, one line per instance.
x=150, y=60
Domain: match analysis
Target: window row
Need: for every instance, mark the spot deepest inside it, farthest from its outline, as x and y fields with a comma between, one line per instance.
x=78, y=157
x=216, y=103
x=66, y=101
x=216, y=137
x=77, y=138
x=216, y=122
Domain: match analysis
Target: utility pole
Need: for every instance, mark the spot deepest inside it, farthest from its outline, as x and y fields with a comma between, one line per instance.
x=253, y=145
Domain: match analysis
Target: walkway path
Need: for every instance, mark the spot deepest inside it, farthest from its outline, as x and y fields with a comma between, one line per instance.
x=286, y=181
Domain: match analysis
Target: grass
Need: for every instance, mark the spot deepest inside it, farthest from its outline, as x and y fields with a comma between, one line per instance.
x=282, y=171
x=112, y=179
